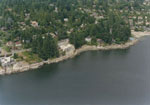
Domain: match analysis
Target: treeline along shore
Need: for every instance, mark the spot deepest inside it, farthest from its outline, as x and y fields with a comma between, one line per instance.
x=23, y=66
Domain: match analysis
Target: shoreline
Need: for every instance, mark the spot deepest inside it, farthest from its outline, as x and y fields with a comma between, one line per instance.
x=23, y=66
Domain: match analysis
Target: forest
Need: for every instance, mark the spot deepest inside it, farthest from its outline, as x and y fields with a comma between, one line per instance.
x=40, y=24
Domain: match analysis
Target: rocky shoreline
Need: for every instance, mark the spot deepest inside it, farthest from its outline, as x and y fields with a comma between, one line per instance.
x=23, y=66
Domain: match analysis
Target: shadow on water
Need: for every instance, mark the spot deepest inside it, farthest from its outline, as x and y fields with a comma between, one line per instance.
x=49, y=70
x=46, y=71
x=107, y=53
x=121, y=52
x=101, y=53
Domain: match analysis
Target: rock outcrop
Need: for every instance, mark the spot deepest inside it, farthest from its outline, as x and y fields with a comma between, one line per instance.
x=24, y=66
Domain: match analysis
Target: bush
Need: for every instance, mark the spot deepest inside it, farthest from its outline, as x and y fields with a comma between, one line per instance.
x=15, y=56
x=94, y=41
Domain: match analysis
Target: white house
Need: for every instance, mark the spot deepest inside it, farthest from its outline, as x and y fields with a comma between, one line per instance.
x=66, y=47
x=6, y=61
x=88, y=39
x=66, y=19
x=63, y=42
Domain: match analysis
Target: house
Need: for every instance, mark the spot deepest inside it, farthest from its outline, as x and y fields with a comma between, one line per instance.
x=100, y=41
x=101, y=17
x=121, y=11
x=66, y=47
x=146, y=17
x=138, y=13
x=6, y=61
x=34, y=23
x=82, y=25
x=53, y=35
x=96, y=22
x=66, y=19
x=134, y=17
x=68, y=32
x=131, y=22
x=3, y=28
x=63, y=42
x=9, y=44
x=9, y=9
x=144, y=3
x=88, y=39
x=26, y=41
x=52, y=5
x=18, y=44
x=140, y=18
x=140, y=23
x=147, y=23
x=22, y=23
x=56, y=9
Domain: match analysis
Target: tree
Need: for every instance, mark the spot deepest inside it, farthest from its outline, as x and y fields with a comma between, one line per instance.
x=45, y=46
x=77, y=39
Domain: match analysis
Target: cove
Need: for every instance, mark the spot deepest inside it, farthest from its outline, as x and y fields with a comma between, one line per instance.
x=114, y=77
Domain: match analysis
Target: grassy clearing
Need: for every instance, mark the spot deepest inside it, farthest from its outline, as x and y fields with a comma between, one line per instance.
x=30, y=57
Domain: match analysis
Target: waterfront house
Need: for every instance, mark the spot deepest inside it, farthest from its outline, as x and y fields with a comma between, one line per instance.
x=66, y=47
x=63, y=42
x=6, y=61
x=100, y=41
x=88, y=39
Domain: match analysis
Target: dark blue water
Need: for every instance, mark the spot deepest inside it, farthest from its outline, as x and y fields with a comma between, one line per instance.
x=118, y=77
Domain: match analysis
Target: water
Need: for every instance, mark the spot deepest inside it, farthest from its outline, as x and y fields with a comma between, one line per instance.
x=119, y=77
